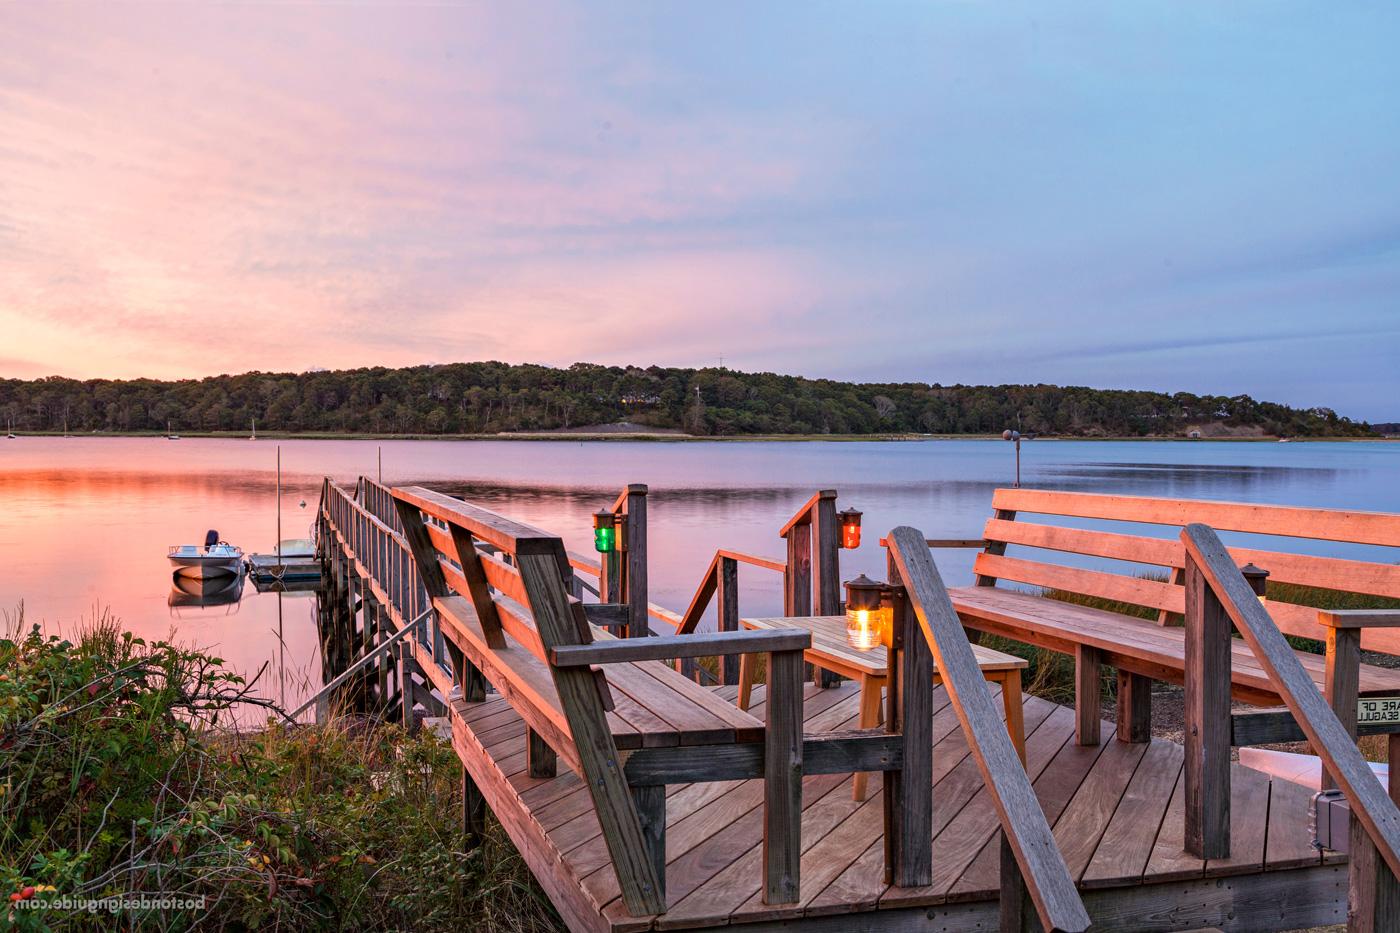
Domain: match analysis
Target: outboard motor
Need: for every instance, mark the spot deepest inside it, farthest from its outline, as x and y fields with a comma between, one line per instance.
x=211, y=538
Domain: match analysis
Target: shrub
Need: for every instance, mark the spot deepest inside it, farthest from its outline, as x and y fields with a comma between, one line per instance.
x=118, y=779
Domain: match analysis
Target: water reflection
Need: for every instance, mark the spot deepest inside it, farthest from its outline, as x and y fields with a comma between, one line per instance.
x=204, y=593
x=124, y=500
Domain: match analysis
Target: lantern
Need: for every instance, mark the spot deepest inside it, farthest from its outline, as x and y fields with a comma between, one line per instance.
x=604, y=532
x=864, y=619
x=850, y=528
x=1258, y=580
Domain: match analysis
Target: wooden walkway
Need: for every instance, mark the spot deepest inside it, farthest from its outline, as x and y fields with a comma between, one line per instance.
x=1116, y=809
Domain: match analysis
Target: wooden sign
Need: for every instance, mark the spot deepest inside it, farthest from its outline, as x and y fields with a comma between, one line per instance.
x=1377, y=710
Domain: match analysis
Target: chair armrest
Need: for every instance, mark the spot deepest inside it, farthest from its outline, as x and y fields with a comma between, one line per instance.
x=665, y=647
x=1359, y=618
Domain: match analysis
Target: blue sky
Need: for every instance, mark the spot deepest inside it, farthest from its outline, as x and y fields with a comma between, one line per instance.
x=1198, y=197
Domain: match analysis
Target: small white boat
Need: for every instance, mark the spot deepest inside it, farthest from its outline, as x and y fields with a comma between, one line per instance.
x=217, y=558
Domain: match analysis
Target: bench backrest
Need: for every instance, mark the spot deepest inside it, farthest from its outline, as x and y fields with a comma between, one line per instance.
x=1010, y=527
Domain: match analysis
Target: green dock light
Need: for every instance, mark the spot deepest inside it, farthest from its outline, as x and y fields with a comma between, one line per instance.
x=604, y=532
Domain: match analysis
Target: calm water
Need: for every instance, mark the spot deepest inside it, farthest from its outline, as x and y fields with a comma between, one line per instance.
x=86, y=521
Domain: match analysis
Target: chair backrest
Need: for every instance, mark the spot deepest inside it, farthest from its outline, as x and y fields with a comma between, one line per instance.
x=1049, y=542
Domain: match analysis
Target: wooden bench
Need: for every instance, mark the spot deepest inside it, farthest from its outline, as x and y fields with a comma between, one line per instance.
x=1032, y=553
x=611, y=710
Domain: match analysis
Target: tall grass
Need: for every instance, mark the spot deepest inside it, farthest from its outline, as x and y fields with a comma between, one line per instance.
x=117, y=780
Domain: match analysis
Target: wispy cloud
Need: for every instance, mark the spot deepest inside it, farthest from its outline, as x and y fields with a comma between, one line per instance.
x=1095, y=195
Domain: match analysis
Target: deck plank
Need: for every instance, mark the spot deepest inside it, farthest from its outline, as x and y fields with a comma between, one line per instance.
x=1054, y=789
x=1122, y=853
x=958, y=798
x=1169, y=860
x=1289, y=843
x=1116, y=810
x=1249, y=822
x=1049, y=727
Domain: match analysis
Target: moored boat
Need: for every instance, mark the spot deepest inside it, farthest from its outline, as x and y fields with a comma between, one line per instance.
x=215, y=558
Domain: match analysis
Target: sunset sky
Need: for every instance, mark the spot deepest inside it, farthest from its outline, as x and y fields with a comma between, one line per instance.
x=1176, y=196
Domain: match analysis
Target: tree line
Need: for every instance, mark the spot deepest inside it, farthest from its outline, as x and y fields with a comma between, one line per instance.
x=491, y=397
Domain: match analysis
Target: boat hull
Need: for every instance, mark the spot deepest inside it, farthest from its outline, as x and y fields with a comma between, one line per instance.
x=202, y=568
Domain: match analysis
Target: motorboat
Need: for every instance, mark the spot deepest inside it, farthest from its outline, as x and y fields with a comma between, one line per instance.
x=216, y=558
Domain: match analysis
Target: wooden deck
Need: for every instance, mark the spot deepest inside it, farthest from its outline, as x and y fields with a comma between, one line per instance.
x=1116, y=810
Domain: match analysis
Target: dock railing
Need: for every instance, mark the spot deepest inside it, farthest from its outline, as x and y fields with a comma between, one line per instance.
x=1218, y=598
x=810, y=571
x=1032, y=867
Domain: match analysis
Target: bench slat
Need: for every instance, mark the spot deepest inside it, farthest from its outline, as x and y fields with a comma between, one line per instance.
x=1331, y=573
x=1378, y=528
x=1134, y=590
x=1056, y=624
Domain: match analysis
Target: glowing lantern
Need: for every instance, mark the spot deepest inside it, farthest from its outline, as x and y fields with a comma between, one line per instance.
x=850, y=528
x=604, y=532
x=865, y=624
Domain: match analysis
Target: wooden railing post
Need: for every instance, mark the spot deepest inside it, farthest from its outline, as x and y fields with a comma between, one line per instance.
x=909, y=791
x=782, y=780
x=635, y=536
x=1207, y=728
x=727, y=588
x=1373, y=896
x=826, y=567
x=826, y=562
x=797, y=581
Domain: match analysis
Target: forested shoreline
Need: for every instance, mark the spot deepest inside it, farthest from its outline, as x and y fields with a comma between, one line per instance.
x=492, y=397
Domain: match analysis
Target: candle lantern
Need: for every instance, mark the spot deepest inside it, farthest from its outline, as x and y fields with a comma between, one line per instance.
x=604, y=532
x=850, y=528
x=1258, y=580
x=864, y=618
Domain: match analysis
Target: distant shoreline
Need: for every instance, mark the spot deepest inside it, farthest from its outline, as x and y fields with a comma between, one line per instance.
x=660, y=438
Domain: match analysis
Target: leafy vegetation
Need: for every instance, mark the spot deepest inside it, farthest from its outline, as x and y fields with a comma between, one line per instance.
x=115, y=782
x=488, y=397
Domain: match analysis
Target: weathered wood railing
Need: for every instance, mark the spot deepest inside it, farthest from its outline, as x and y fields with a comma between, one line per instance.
x=386, y=586
x=811, y=576
x=378, y=500
x=1217, y=596
x=1031, y=864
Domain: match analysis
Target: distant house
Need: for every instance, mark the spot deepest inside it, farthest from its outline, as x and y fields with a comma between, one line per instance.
x=1194, y=435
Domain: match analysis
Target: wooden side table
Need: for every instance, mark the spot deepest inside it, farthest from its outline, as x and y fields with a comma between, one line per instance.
x=830, y=651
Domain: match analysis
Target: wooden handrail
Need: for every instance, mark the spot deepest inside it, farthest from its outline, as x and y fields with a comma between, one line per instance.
x=1370, y=805
x=1024, y=827
x=705, y=591
x=666, y=647
x=492, y=527
x=767, y=563
x=804, y=514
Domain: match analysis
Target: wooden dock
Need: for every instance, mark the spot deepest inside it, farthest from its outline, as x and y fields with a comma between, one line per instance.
x=682, y=820
x=1116, y=809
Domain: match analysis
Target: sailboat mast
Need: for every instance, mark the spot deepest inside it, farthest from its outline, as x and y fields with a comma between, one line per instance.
x=279, y=504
